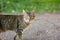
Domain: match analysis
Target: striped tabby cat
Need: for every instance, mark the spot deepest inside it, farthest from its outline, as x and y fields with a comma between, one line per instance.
x=16, y=22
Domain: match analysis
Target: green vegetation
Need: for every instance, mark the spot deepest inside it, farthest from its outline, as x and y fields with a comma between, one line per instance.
x=28, y=5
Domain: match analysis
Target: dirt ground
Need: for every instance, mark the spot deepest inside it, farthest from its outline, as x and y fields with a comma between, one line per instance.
x=44, y=27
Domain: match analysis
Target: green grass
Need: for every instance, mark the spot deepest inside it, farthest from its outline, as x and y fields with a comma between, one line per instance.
x=28, y=5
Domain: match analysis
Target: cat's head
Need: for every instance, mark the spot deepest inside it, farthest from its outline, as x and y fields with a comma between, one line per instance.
x=28, y=15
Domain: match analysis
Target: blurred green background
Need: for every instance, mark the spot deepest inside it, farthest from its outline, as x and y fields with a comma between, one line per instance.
x=28, y=5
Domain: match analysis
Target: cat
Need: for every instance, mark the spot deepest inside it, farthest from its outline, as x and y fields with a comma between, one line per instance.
x=16, y=22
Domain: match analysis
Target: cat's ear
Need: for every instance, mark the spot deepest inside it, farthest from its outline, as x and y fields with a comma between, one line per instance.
x=24, y=11
x=33, y=12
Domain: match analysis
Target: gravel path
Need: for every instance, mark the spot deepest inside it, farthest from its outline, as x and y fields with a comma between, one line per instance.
x=44, y=27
